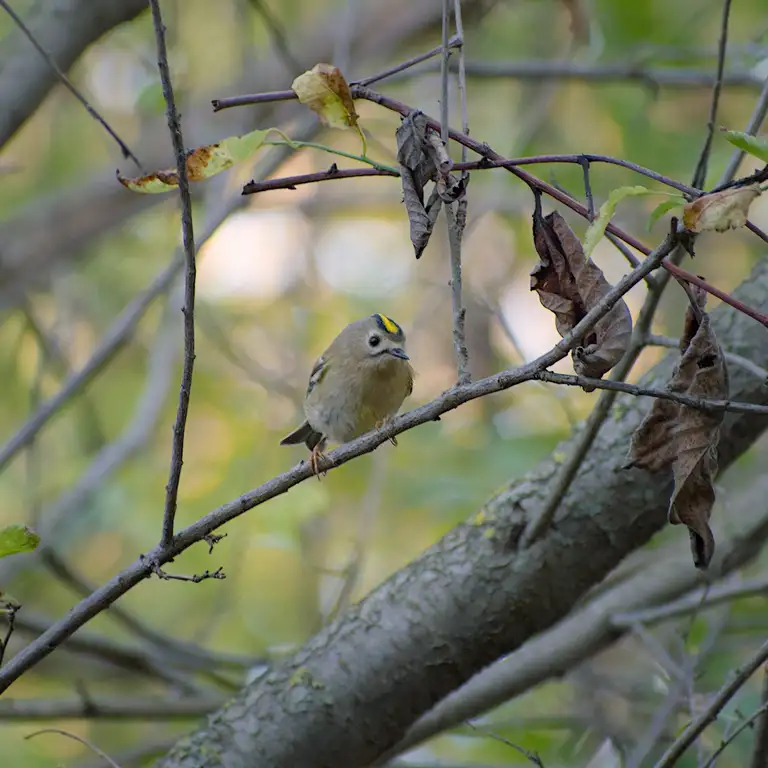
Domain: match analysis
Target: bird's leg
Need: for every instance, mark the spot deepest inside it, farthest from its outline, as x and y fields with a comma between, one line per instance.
x=315, y=458
x=381, y=423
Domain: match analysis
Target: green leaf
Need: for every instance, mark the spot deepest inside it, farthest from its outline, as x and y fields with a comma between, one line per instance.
x=664, y=207
x=596, y=229
x=754, y=145
x=17, y=538
x=202, y=163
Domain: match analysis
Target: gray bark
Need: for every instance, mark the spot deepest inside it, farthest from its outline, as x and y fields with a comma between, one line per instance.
x=354, y=689
x=64, y=28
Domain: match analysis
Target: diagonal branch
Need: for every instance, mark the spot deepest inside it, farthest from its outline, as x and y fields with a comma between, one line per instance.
x=64, y=29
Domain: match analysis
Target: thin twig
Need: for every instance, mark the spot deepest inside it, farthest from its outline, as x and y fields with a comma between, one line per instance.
x=755, y=121
x=760, y=748
x=179, y=427
x=532, y=757
x=711, y=406
x=709, y=715
x=758, y=714
x=102, y=708
x=103, y=755
x=9, y=612
x=700, y=174
x=692, y=603
x=454, y=42
x=279, y=38
x=68, y=83
x=456, y=216
x=446, y=54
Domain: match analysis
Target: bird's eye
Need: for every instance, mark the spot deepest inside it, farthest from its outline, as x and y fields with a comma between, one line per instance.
x=374, y=340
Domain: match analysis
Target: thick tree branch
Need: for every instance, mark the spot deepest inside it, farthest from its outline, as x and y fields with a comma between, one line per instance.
x=469, y=599
x=595, y=626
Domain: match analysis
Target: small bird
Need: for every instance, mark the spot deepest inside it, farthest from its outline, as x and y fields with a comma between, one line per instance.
x=357, y=384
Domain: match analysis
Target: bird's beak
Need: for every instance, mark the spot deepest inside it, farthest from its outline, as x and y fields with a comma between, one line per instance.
x=398, y=352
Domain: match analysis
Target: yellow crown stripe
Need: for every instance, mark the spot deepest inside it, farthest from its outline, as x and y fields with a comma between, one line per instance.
x=390, y=325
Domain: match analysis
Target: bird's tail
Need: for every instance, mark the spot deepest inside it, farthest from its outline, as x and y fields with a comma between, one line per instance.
x=304, y=434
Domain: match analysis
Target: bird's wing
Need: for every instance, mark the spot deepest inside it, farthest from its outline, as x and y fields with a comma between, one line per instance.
x=319, y=369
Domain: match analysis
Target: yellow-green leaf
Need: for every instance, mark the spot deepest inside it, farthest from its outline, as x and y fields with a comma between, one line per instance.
x=202, y=163
x=720, y=211
x=664, y=207
x=754, y=145
x=325, y=91
x=17, y=538
x=596, y=229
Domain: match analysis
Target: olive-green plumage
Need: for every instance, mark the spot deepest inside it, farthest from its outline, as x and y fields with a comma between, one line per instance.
x=358, y=382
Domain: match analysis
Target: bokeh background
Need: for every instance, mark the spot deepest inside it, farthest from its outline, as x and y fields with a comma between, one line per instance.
x=280, y=276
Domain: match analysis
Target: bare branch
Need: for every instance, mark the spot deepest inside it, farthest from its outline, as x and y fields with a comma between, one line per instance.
x=709, y=715
x=700, y=174
x=103, y=755
x=691, y=603
x=62, y=28
x=760, y=749
x=116, y=708
x=632, y=389
x=179, y=427
x=612, y=72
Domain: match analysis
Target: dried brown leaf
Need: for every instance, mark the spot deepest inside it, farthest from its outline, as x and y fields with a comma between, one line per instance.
x=569, y=286
x=416, y=169
x=720, y=211
x=686, y=438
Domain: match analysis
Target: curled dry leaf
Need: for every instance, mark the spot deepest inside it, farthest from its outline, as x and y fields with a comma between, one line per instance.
x=202, y=163
x=417, y=167
x=325, y=91
x=720, y=211
x=569, y=286
x=686, y=438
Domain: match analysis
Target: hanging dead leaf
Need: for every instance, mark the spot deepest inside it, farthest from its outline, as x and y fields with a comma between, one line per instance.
x=416, y=169
x=720, y=211
x=569, y=286
x=325, y=91
x=686, y=438
x=202, y=163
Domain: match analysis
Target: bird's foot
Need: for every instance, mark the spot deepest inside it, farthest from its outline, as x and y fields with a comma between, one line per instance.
x=316, y=459
x=384, y=423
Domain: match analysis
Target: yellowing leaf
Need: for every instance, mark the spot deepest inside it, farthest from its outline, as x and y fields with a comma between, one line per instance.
x=325, y=91
x=754, y=145
x=202, y=163
x=17, y=538
x=596, y=229
x=719, y=211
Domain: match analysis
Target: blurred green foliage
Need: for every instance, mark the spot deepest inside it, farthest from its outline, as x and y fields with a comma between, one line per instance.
x=277, y=289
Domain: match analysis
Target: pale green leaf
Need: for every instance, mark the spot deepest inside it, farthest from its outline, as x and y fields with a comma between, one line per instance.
x=754, y=145
x=202, y=163
x=596, y=229
x=664, y=207
x=17, y=538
